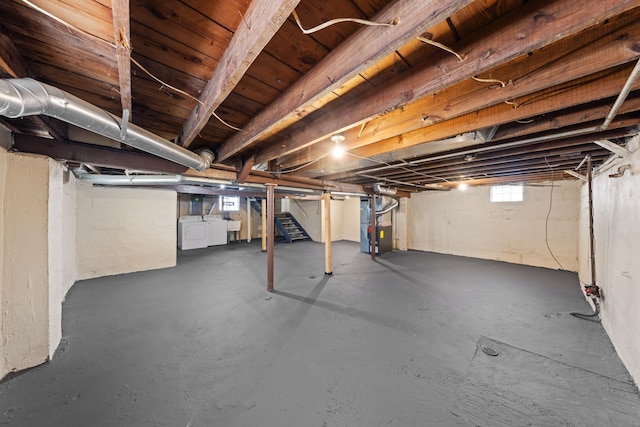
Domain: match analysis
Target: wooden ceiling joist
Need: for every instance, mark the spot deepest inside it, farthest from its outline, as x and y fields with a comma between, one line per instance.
x=262, y=20
x=360, y=51
x=593, y=88
x=590, y=52
x=527, y=29
x=244, y=171
x=122, y=35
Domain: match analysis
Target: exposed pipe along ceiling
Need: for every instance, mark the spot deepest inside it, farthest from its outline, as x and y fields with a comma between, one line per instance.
x=28, y=97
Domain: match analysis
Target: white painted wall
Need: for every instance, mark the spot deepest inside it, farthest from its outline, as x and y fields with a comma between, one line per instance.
x=312, y=221
x=5, y=143
x=466, y=223
x=617, y=244
x=37, y=255
x=345, y=218
x=350, y=219
x=400, y=225
x=25, y=275
x=122, y=230
x=337, y=213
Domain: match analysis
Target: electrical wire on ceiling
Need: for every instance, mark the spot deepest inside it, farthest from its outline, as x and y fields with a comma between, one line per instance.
x=441, y=46
x=481, y=80
x=113, y=45
x=297, y=168
x=339, y=20
x=399, y=167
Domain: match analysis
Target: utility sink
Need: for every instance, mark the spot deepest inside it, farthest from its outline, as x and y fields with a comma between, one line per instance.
x=233, y=225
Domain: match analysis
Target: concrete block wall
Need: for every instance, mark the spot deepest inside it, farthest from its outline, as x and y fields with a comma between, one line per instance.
x=122, y=230
x=616, y=204
x=467, y=223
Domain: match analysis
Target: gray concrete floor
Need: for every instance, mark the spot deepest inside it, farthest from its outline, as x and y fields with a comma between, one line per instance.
x=387, y=343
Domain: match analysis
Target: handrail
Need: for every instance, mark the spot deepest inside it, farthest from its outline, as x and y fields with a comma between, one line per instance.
x=300, y=208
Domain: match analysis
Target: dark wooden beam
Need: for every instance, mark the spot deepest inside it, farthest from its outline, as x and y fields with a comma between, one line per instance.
x=529, y=28
x=357, y=53
x=95, y=155
x=121, y=159
x=246, y=169
x=122, y=35
x=261, y=22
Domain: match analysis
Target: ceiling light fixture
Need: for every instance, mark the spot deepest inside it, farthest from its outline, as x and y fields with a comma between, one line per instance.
x=463, y=186
x=338, y=150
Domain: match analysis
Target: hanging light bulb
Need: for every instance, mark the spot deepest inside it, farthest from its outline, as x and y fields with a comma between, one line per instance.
x=338, y=150
x=463, y=186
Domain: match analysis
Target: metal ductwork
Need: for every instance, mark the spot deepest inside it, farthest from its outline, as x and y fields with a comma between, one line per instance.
x=160, y=179
x=28, y=97
x=385, y=191
x=130, y=179
x=391, y=206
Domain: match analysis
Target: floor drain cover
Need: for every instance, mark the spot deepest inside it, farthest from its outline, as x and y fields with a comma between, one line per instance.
x=490, y=351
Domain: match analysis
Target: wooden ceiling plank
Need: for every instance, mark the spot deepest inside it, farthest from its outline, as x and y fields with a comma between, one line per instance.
x=583, y=115
x=262, y=20
x=514, y=35
x=12, y=62
x=122, y=35
x=589, y=53
x=544, y=102
x=489, y=166
x=356, y=54
x=502, y=155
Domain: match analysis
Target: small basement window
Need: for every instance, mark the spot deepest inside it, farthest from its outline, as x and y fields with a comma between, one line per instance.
x=507, y=193
x=229, y=203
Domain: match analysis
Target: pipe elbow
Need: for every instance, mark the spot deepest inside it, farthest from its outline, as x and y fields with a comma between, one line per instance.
x=208, y=157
